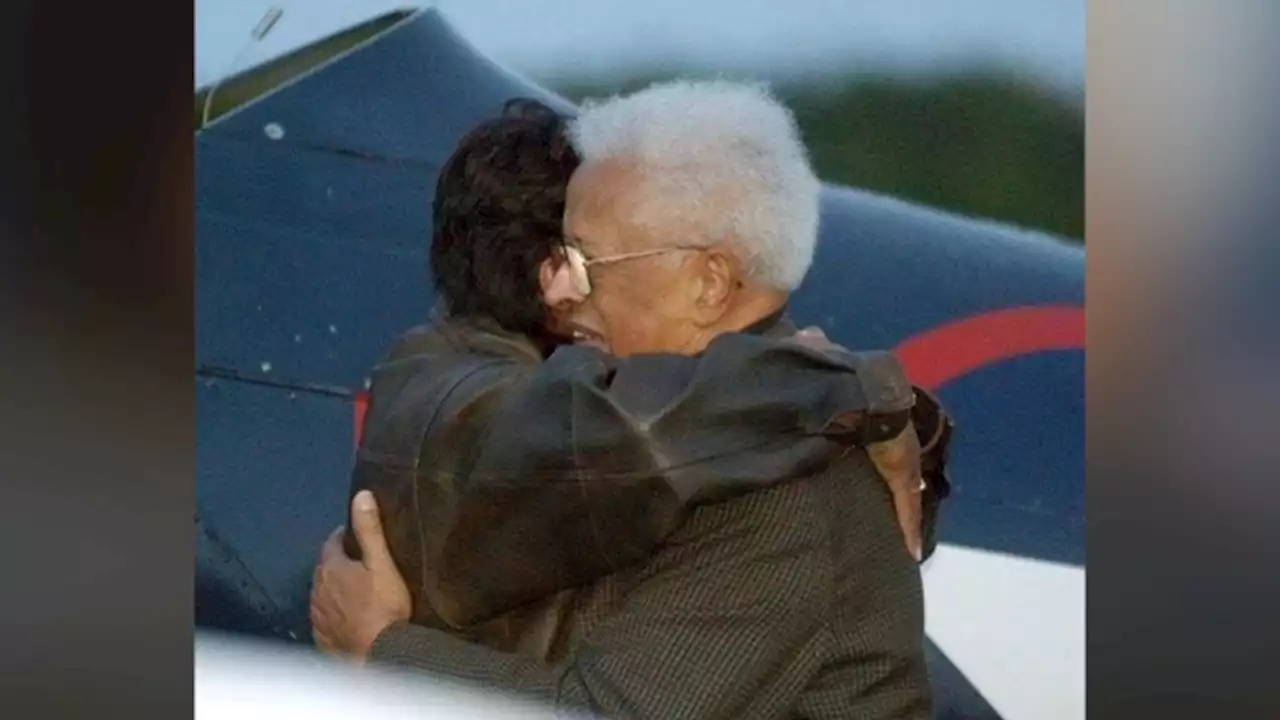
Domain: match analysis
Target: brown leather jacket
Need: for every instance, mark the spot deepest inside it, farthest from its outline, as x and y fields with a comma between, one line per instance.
x=505, y=478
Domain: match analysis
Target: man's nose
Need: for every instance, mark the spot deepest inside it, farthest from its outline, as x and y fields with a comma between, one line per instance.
x=560, y=292
x=565, y=304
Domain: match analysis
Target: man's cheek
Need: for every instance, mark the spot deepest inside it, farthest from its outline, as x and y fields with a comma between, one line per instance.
x=627, y=337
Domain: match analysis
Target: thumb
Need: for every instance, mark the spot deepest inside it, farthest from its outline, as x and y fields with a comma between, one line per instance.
x=908, y=506
x=368, y=528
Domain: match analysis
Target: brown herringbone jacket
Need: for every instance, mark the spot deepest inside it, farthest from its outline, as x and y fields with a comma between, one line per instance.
x=796, y=598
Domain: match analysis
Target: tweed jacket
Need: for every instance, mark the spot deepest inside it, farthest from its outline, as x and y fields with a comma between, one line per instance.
x=626, y=536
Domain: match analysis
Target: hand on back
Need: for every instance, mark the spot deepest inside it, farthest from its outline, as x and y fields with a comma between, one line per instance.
x=897, y=460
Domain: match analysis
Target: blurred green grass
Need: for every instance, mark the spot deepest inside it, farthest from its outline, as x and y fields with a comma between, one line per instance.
x=980, y=143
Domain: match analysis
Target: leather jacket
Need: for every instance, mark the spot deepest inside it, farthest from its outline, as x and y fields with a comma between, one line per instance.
x=505, y=478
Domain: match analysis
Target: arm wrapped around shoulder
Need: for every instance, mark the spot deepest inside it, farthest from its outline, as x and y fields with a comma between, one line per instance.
x=553, y=477
x=889, y=398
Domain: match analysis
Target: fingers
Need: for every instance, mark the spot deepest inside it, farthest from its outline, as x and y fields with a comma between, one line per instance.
x=898, y=462
x=324, y=644
x=332, y=550
x=908, y=505
x=368, y=529
x=315, y=609
x=318, y=622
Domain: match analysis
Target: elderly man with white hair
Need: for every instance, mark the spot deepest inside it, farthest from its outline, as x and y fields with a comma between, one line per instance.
x=691, y=219
x=695, y=202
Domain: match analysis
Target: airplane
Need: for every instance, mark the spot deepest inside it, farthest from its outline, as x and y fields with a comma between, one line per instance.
x=314, y=174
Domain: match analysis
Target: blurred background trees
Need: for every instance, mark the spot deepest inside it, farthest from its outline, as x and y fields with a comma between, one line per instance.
x=974, y=107
x=978, y=143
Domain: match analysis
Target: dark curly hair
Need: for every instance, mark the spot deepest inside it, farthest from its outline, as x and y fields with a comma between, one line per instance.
x=498, y=213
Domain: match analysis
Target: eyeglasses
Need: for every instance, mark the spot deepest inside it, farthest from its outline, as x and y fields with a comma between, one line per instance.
x=578, y=263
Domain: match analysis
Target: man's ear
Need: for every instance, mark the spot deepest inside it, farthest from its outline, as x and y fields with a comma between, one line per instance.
x=717, y=281
x=556, y=278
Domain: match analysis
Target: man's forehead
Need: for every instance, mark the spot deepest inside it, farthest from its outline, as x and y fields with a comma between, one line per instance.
x=602, y=198
x=605, y=182
x=636, y=197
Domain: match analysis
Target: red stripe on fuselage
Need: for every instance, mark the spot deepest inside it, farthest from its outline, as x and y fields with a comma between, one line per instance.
x=360, y=405
x=939, y=355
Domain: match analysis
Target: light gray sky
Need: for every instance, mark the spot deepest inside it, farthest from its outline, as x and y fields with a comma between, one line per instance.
x=550, y=38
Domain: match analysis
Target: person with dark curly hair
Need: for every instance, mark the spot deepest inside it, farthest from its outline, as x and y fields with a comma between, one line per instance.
x=536, y=461
x=498, y=217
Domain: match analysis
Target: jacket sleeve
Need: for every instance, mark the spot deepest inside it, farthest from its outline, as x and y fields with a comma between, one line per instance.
x=554, y=476
x=874, y=665
x=699, y=642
